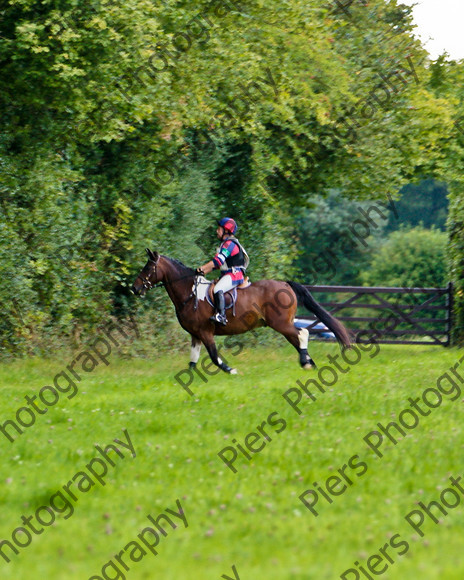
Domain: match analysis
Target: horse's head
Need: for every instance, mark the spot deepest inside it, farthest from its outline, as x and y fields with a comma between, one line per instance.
x=149, y=275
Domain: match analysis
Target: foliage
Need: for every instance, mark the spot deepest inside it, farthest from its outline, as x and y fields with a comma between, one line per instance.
x=329, y=251
x=447, y=81
x=456, y=260
x=118, y=133
x=423, y=204
x=414, y=258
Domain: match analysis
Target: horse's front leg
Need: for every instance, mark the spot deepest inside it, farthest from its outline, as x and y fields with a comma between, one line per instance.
x=213, y=353
x=194, y=352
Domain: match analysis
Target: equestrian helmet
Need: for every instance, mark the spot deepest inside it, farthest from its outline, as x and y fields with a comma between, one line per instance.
x=228, y=224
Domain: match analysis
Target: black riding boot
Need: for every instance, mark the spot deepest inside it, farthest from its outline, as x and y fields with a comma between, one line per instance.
x=220, y=305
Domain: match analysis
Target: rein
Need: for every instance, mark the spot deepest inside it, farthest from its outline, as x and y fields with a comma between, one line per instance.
x=147, y=285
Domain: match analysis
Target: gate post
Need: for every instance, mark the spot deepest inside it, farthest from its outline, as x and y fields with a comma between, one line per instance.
x=450, y=305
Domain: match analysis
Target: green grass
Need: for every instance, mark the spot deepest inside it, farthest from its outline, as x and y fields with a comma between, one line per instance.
x=252, y=519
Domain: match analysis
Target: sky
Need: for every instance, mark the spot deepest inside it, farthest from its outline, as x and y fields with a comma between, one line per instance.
x=442, y=21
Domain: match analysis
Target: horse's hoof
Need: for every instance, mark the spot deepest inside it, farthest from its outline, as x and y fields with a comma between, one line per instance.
x=309, y=366
x=227, y=369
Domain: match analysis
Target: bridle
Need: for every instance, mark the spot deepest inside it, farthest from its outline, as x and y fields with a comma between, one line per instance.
x=146, y=284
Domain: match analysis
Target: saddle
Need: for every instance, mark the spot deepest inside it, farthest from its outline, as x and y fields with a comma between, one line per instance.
x=230, y=297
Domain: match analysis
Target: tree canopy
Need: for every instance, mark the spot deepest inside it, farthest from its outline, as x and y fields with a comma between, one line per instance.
x=414, y=258
x=134, y=124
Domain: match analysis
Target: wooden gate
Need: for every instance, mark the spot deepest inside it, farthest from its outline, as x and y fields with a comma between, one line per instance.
x=425, y=317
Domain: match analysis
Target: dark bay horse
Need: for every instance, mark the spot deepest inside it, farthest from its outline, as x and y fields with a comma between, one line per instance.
x=264, y=303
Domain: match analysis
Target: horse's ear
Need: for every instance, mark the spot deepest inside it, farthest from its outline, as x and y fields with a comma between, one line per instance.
x=152, y=255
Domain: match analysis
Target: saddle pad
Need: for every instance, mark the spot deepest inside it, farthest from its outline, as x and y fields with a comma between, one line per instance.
x=230, y=298
x=202, y=291
x=201, y=288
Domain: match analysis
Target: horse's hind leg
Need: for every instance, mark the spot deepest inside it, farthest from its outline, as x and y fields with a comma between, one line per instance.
x=297, y=337
x=303, y=337
x=194, y=352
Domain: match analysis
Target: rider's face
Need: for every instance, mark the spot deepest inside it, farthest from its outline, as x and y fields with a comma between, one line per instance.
x=220, y=232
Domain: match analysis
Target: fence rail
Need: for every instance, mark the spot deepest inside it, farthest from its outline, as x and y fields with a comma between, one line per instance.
x=397, y=320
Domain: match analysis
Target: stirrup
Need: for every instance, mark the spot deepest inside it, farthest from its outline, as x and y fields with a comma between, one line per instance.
x=219, y=318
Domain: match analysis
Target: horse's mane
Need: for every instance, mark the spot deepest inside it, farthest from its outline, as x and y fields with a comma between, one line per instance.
x=183, y=266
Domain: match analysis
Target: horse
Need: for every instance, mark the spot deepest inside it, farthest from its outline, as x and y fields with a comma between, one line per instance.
x=270, y=303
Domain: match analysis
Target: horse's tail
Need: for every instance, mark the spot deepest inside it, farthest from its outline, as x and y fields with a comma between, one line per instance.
x=305, y=299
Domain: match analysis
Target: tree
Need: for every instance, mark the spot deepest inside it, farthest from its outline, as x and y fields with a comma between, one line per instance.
x=329, y=253
x=414, y=258
x=121, y=120
x=425, y=203
x=447, y=81
x=456, y=261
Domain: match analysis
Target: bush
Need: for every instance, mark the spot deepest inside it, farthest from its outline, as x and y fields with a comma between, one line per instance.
x=410, y=258
x=456, y=259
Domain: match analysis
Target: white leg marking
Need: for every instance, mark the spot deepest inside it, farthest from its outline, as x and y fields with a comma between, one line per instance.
x=303, y=337
x=195, y=352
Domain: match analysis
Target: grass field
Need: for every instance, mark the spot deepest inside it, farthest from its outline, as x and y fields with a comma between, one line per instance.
x=252, y=519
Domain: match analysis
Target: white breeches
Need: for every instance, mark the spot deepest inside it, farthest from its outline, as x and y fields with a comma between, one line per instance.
x=225, y=284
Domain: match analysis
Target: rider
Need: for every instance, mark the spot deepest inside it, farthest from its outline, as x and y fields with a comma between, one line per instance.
x=232, y=260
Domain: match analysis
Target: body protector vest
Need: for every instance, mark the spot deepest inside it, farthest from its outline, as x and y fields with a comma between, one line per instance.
x=239, y=260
